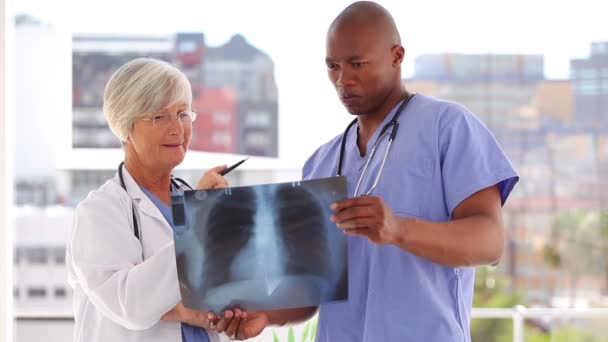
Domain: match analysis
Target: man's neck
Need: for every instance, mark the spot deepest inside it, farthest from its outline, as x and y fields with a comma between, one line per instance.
x=369, y=123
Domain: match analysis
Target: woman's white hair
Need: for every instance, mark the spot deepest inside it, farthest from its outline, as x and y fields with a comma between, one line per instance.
x=140, y=88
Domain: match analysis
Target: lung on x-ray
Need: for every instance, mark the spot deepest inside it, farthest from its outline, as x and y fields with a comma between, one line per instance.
x=260, y=247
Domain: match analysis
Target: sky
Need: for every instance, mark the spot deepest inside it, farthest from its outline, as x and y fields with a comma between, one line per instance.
x=558, y=29
x=293, y=34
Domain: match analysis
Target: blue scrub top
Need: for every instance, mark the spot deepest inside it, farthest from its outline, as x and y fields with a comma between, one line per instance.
x=441, y=155
x=189, y=333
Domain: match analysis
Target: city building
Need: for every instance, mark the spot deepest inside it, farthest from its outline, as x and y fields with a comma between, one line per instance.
x=250, y=73
x=233, y=86
x=39, y=272
x=535, y=121
x=590, y=79
x=94, y=59
x=216, y=124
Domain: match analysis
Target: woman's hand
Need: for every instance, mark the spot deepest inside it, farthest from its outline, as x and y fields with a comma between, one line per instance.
x=250, y=325
x=180, y=313
x=212, y=179
x=230, y=321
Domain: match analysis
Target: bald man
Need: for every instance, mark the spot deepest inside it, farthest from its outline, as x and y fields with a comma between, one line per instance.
x=426, y=182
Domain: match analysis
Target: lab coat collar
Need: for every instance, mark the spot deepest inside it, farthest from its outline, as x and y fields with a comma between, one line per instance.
x=141, y=200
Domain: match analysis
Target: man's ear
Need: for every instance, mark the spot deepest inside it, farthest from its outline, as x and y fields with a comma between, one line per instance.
x=398, y=53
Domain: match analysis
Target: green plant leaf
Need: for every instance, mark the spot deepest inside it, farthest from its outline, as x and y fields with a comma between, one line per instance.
x=305, y=332
x=290, y=335
x=275, y=337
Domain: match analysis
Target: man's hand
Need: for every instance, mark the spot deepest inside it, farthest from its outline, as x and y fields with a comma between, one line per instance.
x=212, y=179
x=367, y=216
x=252, y=324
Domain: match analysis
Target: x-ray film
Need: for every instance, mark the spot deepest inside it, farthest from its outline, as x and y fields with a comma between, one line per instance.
x=260, y=247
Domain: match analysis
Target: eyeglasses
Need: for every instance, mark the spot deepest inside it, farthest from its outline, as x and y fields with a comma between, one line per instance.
x=162, y=120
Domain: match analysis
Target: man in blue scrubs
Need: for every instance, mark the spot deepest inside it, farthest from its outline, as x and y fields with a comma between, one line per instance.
x=435, y=213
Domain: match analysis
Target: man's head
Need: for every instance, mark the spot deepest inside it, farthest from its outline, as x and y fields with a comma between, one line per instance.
x=363, y=57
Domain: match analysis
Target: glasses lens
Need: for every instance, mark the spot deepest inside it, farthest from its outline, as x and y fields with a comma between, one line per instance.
x=160, y=120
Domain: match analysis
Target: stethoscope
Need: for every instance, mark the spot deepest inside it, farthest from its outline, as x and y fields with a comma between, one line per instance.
x=176, y=184
x=393, y=125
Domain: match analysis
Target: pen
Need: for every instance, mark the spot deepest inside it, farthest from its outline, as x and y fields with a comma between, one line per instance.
x=225, y=171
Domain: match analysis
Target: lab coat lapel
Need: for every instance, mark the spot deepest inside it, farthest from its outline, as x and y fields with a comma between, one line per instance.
x=142, y=202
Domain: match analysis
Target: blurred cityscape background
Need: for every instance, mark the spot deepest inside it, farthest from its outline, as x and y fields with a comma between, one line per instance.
x=235, y=94
x=554, y=130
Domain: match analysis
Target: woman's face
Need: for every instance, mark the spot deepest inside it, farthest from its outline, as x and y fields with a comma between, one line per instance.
x=160, y=141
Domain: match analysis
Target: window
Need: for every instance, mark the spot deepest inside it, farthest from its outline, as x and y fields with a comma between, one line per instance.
x=588, y=87
x=36, y=292
x=222, y=118
x=187, y=46
x=257, y=119
x=59, y=255
x=590, y=73
x=17, y=256
x=60, y=292
x=36, y=255
x=221, y=138
x=258, y=139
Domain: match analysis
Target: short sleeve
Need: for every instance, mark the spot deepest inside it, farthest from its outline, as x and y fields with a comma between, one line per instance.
x=309, y=166
x=320, y=163
x=471, y=158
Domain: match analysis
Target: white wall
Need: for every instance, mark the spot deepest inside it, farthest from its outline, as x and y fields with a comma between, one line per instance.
x=43, y=99
x=6, y=247
x=3, y=241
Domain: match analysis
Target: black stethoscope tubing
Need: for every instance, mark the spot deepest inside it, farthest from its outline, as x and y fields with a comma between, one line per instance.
x=393, y=124
x=175, y=184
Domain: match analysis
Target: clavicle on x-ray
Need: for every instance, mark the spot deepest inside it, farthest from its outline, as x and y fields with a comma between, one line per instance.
x=260, y=247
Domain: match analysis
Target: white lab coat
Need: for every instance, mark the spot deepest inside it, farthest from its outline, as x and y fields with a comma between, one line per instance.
x=117, y=295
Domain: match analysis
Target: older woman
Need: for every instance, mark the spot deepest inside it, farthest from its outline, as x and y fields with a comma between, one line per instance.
x=120, y=253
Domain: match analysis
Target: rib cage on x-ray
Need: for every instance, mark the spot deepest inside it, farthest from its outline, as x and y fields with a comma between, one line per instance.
x=256, y=241
x=305, y=244
x=235, y=231
x=257, y=235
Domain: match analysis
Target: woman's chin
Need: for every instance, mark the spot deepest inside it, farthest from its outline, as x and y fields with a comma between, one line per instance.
x=173, y=159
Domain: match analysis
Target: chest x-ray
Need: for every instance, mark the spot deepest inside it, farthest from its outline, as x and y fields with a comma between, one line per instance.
x=260, y=247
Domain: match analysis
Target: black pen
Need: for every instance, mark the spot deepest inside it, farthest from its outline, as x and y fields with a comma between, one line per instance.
x=225, y=171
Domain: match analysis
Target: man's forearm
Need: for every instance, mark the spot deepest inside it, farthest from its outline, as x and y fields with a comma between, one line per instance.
x=471, y=241
x=282, y=317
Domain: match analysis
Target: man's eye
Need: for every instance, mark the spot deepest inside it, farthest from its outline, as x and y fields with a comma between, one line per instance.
x=358, y=65
x=331, y=66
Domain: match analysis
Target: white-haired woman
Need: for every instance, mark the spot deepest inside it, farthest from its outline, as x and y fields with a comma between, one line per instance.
x=120, y=251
